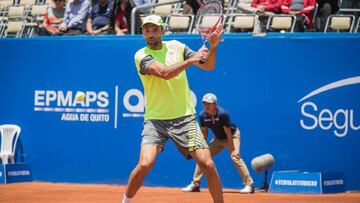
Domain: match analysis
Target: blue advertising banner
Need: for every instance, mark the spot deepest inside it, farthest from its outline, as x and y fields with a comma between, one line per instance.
x=2, y=174
x=333, y=182
x=295, y=182
x=18, y=172
x=13, y=173
x=306, y=182
x=79, y=102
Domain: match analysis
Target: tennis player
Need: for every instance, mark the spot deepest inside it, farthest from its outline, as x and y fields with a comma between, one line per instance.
x=170, y=113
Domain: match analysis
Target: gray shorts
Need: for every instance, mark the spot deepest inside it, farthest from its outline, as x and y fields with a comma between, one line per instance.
x=184, y=132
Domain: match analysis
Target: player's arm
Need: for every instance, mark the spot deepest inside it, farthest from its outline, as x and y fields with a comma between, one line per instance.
x=229, y=138
x=204, y=131
x=167, y=72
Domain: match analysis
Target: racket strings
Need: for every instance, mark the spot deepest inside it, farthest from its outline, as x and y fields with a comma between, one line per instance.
x=210, y=8
x=208, y=16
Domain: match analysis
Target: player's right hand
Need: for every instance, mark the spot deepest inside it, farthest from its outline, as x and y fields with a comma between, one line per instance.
x=215, y=37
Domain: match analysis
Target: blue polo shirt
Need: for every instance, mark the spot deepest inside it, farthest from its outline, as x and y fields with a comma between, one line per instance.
x=101, y=16
x=217, y=122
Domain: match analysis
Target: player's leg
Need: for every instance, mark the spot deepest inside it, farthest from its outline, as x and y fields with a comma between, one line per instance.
x=147, y=159
x=207, y=166
x=153, y=141
x=187, y=136
x=215, y=147
x=241, y=166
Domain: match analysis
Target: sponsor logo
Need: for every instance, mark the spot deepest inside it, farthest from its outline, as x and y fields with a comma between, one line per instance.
x=334, y=182
x=137, y=109
x=84, y=106
x=19, y=173
x=339, y=121
x=305, y=183
x=90, y=106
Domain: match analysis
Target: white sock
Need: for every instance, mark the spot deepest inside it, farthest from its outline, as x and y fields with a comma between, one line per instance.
x=126, y=199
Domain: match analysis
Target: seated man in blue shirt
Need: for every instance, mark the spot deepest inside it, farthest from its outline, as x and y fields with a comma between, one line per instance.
x=226, y=135
x=99, y=18
x=76, y=12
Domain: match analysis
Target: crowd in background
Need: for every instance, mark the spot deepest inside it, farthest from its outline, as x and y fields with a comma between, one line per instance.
x=78, y=17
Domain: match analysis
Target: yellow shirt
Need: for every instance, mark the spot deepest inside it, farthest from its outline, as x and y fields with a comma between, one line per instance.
x=165, y=99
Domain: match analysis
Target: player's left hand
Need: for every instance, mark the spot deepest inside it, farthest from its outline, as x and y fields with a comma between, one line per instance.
x=235, y=154
x=215, y=37
x=204, y=52
x=201, y=54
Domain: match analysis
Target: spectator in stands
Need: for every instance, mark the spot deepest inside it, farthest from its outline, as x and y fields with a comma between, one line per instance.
x=245, y=7
x=265, y=8
x=351, y=4
x=99, y=19
x=53, y=17
x=302, y=9
x=75, y=17
x=326, y=8
x=122, y=21
x=194, y=4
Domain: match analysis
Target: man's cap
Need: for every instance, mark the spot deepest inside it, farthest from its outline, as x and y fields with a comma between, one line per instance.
x=209, y=98
x=153, y=19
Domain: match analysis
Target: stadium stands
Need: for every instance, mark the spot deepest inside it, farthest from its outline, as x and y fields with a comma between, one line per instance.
x=20, y=18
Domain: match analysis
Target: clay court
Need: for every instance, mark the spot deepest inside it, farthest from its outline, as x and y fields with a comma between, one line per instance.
x=56, y=192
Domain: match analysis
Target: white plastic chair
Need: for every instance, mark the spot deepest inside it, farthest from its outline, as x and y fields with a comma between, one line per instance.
x=180, y=23
x=163, y=10
x=281, y=22
x=241, y=21
x=340, y=22
x=9, y=136
x=207, y=21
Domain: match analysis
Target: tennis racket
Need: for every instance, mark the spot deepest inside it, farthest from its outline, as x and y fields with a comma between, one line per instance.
x=207, y=19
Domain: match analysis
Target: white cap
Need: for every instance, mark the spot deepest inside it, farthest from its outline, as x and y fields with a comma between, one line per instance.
x=209, y=98
x=153, y=19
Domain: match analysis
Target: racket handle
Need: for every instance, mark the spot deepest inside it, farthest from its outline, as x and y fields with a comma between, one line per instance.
x=202, y=61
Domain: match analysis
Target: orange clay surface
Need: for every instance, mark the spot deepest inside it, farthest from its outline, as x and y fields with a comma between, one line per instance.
x=85, y=193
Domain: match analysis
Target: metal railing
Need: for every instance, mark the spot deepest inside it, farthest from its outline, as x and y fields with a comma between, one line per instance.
x=150, y=5
x=355, y=10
